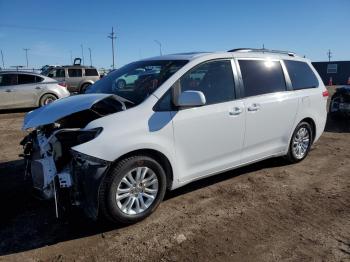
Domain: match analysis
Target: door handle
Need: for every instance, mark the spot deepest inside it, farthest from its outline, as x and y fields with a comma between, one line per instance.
x=235, y=111
x=38, y=87
x=254, y=107
x=8, y=90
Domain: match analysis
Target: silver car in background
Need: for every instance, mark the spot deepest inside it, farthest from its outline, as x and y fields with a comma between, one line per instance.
x=25, y=89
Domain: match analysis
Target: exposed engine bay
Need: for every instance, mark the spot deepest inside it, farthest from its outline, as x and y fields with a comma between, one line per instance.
x=50, y=161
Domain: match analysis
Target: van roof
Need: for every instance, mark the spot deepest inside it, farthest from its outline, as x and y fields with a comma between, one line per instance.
x=240, y=52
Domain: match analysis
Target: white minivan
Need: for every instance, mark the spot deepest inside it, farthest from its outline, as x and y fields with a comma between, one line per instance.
x=115, y=151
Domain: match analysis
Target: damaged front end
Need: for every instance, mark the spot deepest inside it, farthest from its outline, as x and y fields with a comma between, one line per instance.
x=340, y=102
x=57, y=171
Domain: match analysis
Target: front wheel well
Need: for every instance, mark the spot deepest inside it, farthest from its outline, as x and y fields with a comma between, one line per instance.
x=313, y=126
x=158, y=156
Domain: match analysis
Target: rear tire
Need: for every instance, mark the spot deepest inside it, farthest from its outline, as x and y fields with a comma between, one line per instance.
x=300, y=142
x=84, y=88
x=47, y=99
x=126, y=198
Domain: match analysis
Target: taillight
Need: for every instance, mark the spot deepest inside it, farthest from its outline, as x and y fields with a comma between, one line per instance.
x=63, y=84
x=325, y=93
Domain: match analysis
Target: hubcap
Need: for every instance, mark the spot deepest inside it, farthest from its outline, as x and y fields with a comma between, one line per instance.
x=301, y=143
x=49, y=100
x=137, y=190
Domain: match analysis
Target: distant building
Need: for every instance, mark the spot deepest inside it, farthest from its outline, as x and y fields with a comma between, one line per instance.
x=337, y=71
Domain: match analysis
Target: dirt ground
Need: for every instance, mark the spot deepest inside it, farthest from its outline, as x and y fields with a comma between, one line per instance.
x=270, y=211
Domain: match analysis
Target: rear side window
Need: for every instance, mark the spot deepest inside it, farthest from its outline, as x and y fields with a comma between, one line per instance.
x=214, y=79
x=75, y=72
x=38, y=79
x=26, y=79
x=301, y=75
x=57, y=72
x=8, y=79
x=91, y=72
x=262, y=77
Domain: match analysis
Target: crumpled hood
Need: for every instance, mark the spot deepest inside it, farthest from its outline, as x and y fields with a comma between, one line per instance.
x=60, y=108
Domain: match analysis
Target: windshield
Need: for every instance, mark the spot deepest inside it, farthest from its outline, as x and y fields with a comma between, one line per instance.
x=136, y=81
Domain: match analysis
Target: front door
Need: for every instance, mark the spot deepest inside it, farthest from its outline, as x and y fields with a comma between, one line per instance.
x=7, y=82
x=209, y=139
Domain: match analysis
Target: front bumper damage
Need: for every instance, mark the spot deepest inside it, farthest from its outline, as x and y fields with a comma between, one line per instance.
x=57, y=171
x=78, y=179
x=87, y=173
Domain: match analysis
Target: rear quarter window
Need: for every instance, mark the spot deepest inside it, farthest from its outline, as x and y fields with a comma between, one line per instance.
x=91, y=72
x=301, y=75
x=38, y=79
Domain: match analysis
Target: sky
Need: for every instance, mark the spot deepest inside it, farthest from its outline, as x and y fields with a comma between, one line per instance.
x=52, y=30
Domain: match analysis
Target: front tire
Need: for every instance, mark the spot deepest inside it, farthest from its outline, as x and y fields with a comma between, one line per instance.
x=300, y=142
x=132, y=190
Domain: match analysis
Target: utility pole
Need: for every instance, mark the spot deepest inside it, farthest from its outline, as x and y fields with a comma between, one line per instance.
x=71, y=57
x=90, y=57
x=329, y=54
x=2, y=59
x=160, y=46
x=82, y=53
x=113, y=37
x=26, y=50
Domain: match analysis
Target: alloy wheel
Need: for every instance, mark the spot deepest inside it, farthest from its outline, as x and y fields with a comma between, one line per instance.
x=137, y=190
x=301, y=142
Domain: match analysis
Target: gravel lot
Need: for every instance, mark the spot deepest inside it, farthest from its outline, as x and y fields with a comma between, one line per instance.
x=270, y=211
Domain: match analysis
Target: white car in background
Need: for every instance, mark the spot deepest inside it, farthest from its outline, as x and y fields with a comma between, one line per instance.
x=25, y=89
x=116, y=153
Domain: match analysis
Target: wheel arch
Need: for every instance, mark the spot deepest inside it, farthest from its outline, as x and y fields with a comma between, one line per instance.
x=312, y=123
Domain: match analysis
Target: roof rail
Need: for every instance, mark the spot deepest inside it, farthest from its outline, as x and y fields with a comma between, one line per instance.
x=262, y=50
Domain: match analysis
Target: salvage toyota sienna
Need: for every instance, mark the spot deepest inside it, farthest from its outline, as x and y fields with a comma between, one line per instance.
x=115, y=150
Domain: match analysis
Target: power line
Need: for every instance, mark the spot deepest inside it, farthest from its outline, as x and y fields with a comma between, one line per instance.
x=113, y=37
x=26, y=50
x=39, y=28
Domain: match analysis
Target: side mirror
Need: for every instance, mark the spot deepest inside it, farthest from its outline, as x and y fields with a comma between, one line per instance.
x=191, y=99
